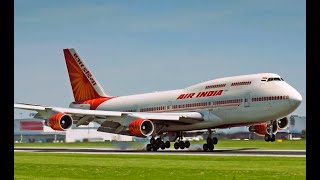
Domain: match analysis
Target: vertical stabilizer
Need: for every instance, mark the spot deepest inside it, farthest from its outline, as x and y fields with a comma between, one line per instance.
x=84, y=84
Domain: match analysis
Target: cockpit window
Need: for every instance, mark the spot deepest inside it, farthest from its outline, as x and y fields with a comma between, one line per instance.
x=271, y=79
x=264, y=79
x=275, y=79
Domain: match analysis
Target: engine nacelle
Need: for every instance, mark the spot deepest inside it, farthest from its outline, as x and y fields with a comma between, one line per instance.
x=283, y=123
x=141, y=128
x=60, y=122
x=261, y=129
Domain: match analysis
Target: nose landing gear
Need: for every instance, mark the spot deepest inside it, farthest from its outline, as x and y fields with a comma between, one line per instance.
x=271, y=128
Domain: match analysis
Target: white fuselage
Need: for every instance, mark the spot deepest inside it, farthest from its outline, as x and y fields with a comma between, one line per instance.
x=222, y=102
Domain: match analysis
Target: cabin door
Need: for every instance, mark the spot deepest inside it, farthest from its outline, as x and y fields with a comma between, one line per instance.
x=169, y=106
x=247, y=100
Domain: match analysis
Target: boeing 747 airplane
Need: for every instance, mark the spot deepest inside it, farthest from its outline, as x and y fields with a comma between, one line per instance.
x=260, y=101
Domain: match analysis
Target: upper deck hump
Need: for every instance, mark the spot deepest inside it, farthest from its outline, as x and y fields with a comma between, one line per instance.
x=222, y=82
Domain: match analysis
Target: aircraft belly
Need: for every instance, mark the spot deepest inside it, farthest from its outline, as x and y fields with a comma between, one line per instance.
x=197, y=126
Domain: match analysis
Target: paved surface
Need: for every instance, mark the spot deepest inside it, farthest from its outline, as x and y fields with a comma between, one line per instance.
x=216, y=152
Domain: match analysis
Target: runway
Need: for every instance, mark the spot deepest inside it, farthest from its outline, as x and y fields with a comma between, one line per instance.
x=216, y=152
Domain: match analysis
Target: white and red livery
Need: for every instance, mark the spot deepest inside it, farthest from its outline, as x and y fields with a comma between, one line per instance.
x=261, y=101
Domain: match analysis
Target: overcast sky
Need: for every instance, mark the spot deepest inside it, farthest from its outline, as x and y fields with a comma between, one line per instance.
x=144, y=46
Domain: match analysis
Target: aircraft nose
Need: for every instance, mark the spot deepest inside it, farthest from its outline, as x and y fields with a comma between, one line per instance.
x=295, y=98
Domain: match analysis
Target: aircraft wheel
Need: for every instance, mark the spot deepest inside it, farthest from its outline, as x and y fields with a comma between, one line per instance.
x=187, y=143
x=158, y=141
x=273, y=138
x=205, y=147
x=148, y=147
x=167, y=144
x=176, y=145
x=152, y=140
x=214, y=140
x=155, y=148
x=182, y=145
x=162, y=145
x=267, y=137
x=210, y=147
x=209, y=140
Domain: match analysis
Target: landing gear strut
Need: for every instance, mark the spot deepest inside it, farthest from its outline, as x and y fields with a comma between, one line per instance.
x=270, y=129
x=210, y=142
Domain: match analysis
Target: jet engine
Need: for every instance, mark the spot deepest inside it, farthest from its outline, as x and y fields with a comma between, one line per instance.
x=60, y=122
x=261, y=129
x=283, y=123
x=141, y=128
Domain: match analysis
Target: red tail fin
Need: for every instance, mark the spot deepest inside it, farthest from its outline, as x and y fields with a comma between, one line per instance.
x=84, y=85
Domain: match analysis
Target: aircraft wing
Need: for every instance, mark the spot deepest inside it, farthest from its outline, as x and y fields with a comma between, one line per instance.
x=45, y=112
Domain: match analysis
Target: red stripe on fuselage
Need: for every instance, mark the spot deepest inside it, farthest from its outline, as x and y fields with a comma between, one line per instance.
x=94, y=103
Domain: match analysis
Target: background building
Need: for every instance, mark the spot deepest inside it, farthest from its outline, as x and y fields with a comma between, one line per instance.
x=33, y=130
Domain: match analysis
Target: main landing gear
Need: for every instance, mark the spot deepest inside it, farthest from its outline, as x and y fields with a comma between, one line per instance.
x=156, y=144
x=271, y=128
x=181, y=144
x=210, y=142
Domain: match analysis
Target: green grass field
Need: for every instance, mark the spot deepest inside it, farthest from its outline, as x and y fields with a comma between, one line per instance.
x=94, y=166
x=222, y=144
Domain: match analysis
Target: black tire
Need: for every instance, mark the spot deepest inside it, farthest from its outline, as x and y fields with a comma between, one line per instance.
x=167, y=144
x=267, y=137
x=158, y=141
x=205, y=147
x=214, y=140
x=176, y=145
x=162, y=145
x=148, y=147
x=187, y=143
x=155, y=148
x=209, y=140
x=210, y=147
x=152, y=140
x=273, y=138
x=182, y=145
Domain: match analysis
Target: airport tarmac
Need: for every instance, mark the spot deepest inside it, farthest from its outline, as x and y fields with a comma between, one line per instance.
x=216, y=152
